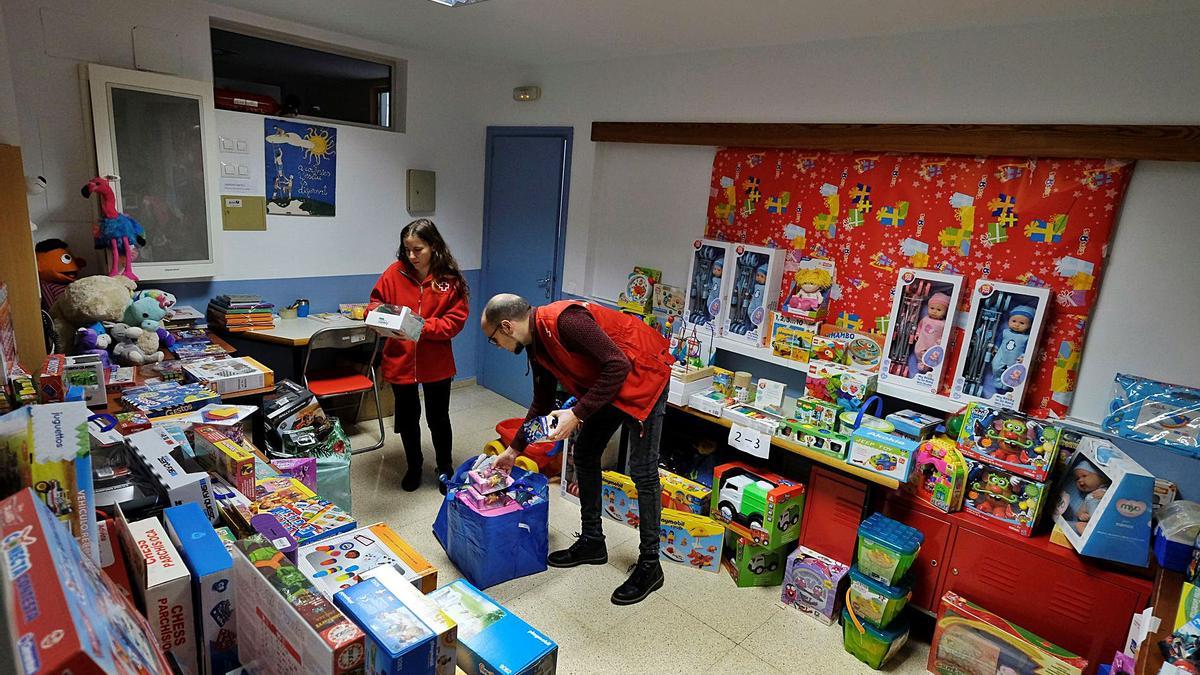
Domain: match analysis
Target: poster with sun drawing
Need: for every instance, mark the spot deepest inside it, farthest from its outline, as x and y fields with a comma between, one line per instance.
x=301, y=168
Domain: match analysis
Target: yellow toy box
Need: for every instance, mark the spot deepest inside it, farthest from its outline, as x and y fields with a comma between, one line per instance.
x=683, y=494
x=619, y=498
x=691, y=540
x=225, y=456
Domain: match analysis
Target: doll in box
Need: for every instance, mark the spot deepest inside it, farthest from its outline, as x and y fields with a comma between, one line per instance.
x=930, y=328
x=809, y=286
x=1088, y=486
x=1010, y=348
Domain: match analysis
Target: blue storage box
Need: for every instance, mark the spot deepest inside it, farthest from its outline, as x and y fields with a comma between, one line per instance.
x=490, y=638
x=397, y=641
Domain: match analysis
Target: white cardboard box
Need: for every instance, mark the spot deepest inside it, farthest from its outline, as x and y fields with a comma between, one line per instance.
x=178, y=475
x=164, y=587
x=229, y=376
x=396, y=322
x=678, y=392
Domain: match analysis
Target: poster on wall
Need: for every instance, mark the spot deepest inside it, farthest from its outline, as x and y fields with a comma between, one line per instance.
x=301, y=168
x=1044, y=223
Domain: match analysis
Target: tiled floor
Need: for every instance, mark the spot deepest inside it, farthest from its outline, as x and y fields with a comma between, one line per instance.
x=698, y=622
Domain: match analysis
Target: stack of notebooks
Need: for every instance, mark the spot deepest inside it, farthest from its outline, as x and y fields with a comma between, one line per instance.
x=238, y=313
x=182, y=317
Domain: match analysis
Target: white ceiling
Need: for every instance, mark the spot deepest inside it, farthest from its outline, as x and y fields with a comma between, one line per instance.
x=536, y=32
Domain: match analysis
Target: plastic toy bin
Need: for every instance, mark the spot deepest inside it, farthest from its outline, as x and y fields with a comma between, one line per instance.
x=873, y=646
x=875, y=602
x=887, y=548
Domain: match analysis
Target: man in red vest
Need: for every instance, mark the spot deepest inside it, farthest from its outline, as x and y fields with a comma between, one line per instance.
x=618, y=368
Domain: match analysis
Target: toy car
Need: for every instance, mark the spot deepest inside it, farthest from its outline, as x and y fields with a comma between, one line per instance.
x=759, y=565
x=744, y=500
x=55, y=496
x=788, y=519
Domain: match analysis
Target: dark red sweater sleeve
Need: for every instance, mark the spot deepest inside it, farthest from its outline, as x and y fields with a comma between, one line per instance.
x=581, y=334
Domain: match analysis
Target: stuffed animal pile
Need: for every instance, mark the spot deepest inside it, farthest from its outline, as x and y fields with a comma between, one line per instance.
x=105, y=315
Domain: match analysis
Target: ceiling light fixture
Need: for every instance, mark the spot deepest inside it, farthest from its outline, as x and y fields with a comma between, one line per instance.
x=456, y=3
x=527, y=93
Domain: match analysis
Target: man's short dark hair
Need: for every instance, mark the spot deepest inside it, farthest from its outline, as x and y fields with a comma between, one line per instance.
x=505, y=307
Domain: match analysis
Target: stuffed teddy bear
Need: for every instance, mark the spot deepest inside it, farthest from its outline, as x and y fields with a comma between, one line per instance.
x=147, y=311
x=89, y=301
x=134, y=346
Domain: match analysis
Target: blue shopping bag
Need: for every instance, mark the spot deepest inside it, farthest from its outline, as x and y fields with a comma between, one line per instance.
x=492, y=549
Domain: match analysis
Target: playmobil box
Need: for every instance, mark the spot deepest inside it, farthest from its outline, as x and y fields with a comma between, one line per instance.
x=822, y=440
x=48, y=448
x=817, y=412
x=163, y=587
x=1012, y=502
x=1014, y=442
x=813, y=584
x=691, y=540
x=168, y=398
x=175, y=474
x=939, y=474
x=619, y=498
x=709, y=402
x=225, y=456
x=396, y=322
x=397, y=642
x=426, y=610
x=751, y=565
x=864, y=351
x=683, y=494
x=336, y=563
x=970, y=639
x=492, y=639
x=286, y=626
x=211, y=568
x=759, y=505
x=1104, y=504
x=885, y=454
x=63, y=614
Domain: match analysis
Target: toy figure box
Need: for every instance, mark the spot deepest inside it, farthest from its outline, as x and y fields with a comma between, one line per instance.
x=63, y=614
x=970, y=639
x=691, y=540
x=48, y=448
x=1012, y=501
x=336, y=563
x=1018, y=444
x=490, y=638
x=211, y=568
x=427, y=611
x=864, y=351
x=939, y=475
x=818, y=412
x=791, y=338
x=821, y=440
x=638, y=296
x=759, y=505
x=751, y=565
x=804, y=289
x=232, y=375
x=710, y=277
x=225, y=456
x=683, y=494
x=168, y=398
x=1003, y=331
x=306, y=517
x=287, y=626
x=756, y=274
x=841, y=385
x=1104, y=504
x=163, y=587
x=886, y=454
x=923, y=307
x=813, y=584
x=619, y=498
x=178, y=476
x=397, y=642
x=392, y=321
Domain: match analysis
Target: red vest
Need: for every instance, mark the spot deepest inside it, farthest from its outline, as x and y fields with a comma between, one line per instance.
x=648, y=353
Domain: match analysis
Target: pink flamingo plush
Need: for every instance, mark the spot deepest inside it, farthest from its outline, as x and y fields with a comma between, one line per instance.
x=114, y=230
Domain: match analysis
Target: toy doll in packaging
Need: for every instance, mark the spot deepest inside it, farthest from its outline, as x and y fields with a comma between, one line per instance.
x=489, y=480
x=918, y=336
x=1002, y=336
x=807, y=283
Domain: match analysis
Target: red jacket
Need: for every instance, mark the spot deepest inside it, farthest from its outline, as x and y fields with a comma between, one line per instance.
x=444, y=309
x=648, y=353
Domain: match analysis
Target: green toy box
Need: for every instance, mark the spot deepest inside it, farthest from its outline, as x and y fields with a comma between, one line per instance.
x=873, y=646
x=751, y=565
x=759, y=505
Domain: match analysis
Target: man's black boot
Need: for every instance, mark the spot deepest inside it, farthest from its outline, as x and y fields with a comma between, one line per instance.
x=646, y=578
x=583, y=552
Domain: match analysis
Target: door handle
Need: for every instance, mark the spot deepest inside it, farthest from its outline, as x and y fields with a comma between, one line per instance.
x=545, y=282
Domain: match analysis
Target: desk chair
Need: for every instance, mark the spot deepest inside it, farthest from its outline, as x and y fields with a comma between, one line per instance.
x=343, y=380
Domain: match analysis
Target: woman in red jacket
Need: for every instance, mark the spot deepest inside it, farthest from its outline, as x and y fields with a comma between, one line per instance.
x=426, y=279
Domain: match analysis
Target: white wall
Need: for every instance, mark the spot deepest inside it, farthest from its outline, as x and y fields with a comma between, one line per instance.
x=48, y=39
x=1140, y=70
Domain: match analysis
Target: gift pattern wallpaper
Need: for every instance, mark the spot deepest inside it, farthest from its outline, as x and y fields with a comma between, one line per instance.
x=1043, y=223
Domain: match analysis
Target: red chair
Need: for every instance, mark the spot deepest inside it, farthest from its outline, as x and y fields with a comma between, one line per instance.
x=343, y=380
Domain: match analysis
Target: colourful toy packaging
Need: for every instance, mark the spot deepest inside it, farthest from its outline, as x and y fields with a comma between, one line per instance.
x=342, y=561
x=804, y=291
x=303, y=469
x=710, y=402
x=82, y=624
x=887, y=548
x=769, y=395
x=1155, y=412
x=970, y=639
x=638, y=296
x=489, y=480
x=751, y=565
x=829, y=350
x=619, y=498
x=1003, y=331
x=761, y=506
x=668, y=300
x=841, y=385
x=710, y=278
x=211, y=568
x=398, y=643
x=490, y=638
x=163, y=587
x=818, y=412
x=939, y=475
x=1104, y=504
x=752, y=417
x=168, y=398
x=824, y=441
x=923, y=308
x=915, y=425
x=683, y=494
x=757, y=271
x=1018, y=444
x=876, y=602
x=87, y=371
x=308, y=518
x=723, y=382
x=812, y=583
x=791, y=338
x=48, y=448
x=426, y=610
x=273, y=531
x=873, y=646
x=484, y=503
x=690, y=540
x=51, y=387
x=885, y=454
x=225, y=456
x=292, y=628
x=864, y=351
x=1012, y=501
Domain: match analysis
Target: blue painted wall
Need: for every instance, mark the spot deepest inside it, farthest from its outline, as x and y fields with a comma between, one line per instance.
x=324, y=294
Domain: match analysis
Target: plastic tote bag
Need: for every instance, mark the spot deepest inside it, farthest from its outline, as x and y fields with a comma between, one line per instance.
x=492, y=549
x=331, y=446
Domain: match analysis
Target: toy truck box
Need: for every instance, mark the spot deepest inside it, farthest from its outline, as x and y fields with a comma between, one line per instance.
x=751, y=565
x=63, y=614
x=288, y=626
x=397, y=642
x=177, y=475
x=1014, y=442
x=690, y=540
x=1012, y=502
x=211, y=568
x=163, y=587
x=48, y=448
x=168, y=398
x=492, y=639
x=226, y=457
x=759, y=505
x=814, y=584
x=336, y=563
x=427, y=611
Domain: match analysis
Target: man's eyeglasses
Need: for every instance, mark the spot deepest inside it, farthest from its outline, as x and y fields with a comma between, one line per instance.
x=492, y=337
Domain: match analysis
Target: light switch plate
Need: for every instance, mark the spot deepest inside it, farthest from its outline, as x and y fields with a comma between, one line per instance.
x=422, y=191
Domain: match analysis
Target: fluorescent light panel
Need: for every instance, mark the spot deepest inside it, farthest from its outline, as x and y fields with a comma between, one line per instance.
x=456, y=3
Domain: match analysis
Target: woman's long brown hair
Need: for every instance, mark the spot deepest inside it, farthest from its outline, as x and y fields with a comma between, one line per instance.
x=442, y=265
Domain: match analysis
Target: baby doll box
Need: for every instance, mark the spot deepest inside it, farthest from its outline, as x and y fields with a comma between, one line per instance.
x=970, y=639
x=690, y=540
x=1012, y=502
x=1003, y=331
x=757, y=271
x=887, y=548
x=813, y=584
x=491, y=639
x=924, y=305
x=1104, y=504
x=710, y=277
x=1018, y=444
x=805, y=287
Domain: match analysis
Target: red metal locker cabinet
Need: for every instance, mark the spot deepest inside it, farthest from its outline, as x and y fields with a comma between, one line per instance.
x=928, y=570
x=833, y=508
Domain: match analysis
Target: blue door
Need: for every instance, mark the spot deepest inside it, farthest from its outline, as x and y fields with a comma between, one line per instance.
x=524, y=223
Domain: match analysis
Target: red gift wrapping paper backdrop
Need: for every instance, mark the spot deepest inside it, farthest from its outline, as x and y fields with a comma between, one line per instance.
x=1035, y=222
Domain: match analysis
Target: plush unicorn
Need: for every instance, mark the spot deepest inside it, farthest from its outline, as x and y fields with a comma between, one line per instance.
x=114, y=231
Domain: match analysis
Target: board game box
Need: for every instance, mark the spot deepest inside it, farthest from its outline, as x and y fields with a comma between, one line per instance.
x=339, y=562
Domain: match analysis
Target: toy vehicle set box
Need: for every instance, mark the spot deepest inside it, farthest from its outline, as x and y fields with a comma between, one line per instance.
x=886, y=454
x=761, y=506
x=813, y=584
x=211, y=568
x=63, y=613
x=492, y=639
x=751, y=565
x=691, y=540
x=343, y=560
x=397, y=642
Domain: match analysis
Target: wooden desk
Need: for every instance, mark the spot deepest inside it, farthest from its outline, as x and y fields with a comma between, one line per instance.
x=295, y=332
